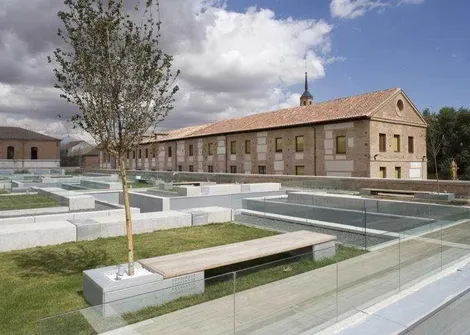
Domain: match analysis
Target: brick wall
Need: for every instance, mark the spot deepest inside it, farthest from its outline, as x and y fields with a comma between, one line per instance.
x=48, y=150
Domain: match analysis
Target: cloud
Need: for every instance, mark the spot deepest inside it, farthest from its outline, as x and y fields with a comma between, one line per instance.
x=350, y=9
x=232, y=63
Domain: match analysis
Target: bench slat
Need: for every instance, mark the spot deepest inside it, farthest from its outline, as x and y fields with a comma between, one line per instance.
x=210, y=258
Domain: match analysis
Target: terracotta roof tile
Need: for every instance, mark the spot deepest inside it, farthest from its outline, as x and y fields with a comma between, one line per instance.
x=332, y=110
x=328, y=111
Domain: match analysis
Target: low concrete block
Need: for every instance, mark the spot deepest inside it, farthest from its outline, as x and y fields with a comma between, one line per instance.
x=435, y=196
x=205, y=215
x=17, y=220
x=133, y=294
x=21, y=236
x=53, y=217
x=220, y=189
x=260, y=187
x=80, y=202
x=115, y=225
x=324, y=250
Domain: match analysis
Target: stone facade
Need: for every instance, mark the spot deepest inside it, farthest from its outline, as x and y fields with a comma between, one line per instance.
x=339, y=148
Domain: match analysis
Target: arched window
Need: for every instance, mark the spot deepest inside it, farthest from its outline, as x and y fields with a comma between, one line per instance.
x=34, y=153
x=10, y=152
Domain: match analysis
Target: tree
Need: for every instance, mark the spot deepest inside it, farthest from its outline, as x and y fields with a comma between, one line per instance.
x=113, y=69
x=435, y=139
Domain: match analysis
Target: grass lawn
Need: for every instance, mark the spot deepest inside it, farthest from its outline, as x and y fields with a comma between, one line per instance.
x=3, y=191
x=47, y=281
x=25, y=201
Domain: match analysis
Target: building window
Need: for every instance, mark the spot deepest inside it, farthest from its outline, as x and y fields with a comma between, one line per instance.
x=133, y=154
x=233, y=169
x=210, y=149
x=34, y=153
x=191, y=150
x=140, y=153
x=299, y=170
x=210, y=168
x=400, y=105
x=247, y=147
x=382, y=142
x=278, y=144
x=382, y=172
x=233, y=147
x=128, y=155
x=146, y=153
x=180, y=167
x=299, y=143
x=10, y=152
x=397, y=172
x=262, y=169
x=340, y=145
x=154, y=149
x=191, y=168
x=169, y=151
x=396, y=143
x=411, y=145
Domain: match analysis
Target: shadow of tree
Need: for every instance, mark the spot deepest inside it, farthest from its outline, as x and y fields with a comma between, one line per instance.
x=66, y=262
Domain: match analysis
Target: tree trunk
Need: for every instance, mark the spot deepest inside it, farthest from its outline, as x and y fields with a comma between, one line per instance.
x=127, y=208
x=437, y=173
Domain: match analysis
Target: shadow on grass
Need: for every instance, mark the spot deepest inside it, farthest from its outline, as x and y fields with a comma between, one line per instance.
x=65, y=262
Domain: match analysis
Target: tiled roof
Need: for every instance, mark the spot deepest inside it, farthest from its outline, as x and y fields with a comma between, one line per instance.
x=358, y=106
x=17, y=133
x=178, y=133
x=333, y=110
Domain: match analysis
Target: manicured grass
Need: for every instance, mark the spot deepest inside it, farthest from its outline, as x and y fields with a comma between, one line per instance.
x=47, y=281
x=25, y=201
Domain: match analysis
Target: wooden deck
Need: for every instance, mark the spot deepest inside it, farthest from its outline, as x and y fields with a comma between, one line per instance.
x=210, y=258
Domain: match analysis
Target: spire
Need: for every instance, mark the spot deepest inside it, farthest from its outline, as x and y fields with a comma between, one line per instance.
x=306, y=98
x=306, y=82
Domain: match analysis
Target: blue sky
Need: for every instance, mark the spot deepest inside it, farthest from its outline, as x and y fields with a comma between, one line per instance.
x=422, y=48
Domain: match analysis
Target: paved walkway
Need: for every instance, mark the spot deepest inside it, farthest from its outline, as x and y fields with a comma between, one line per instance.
x=317, y=298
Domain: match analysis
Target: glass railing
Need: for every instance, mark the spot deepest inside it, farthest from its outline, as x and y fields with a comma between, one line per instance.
x=383, y=247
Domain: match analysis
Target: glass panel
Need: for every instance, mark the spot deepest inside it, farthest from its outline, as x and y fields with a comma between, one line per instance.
x=214, y=294
x=293, y=294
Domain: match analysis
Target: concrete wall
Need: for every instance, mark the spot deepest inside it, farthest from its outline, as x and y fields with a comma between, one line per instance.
x=355, y=184
x=151, y=203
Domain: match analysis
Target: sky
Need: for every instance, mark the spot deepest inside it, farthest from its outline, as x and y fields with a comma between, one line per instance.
x=239, y=57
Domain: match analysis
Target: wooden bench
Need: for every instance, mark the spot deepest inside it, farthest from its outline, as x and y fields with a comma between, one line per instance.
x=211, y=258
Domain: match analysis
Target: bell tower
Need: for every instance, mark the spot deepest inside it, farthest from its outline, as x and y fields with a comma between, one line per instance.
x=306, y=98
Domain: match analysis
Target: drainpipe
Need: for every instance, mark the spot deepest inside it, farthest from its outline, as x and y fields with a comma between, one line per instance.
x=314, y=151
x=226, y=153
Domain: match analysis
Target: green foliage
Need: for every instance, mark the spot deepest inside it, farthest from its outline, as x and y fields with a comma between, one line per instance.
x=453, y=126
x=113, y=69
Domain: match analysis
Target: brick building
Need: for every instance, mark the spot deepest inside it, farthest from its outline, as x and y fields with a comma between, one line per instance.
x=378, y=134
x=25, y=149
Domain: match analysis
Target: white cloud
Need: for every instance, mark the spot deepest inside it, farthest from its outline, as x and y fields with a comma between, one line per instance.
x=232, y=64
x=350, y=9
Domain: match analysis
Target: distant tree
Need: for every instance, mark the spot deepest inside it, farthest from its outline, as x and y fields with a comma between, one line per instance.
x=434, y=139
x=114, y=70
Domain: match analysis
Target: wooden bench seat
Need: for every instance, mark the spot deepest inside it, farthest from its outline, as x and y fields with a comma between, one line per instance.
x=210, y=258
